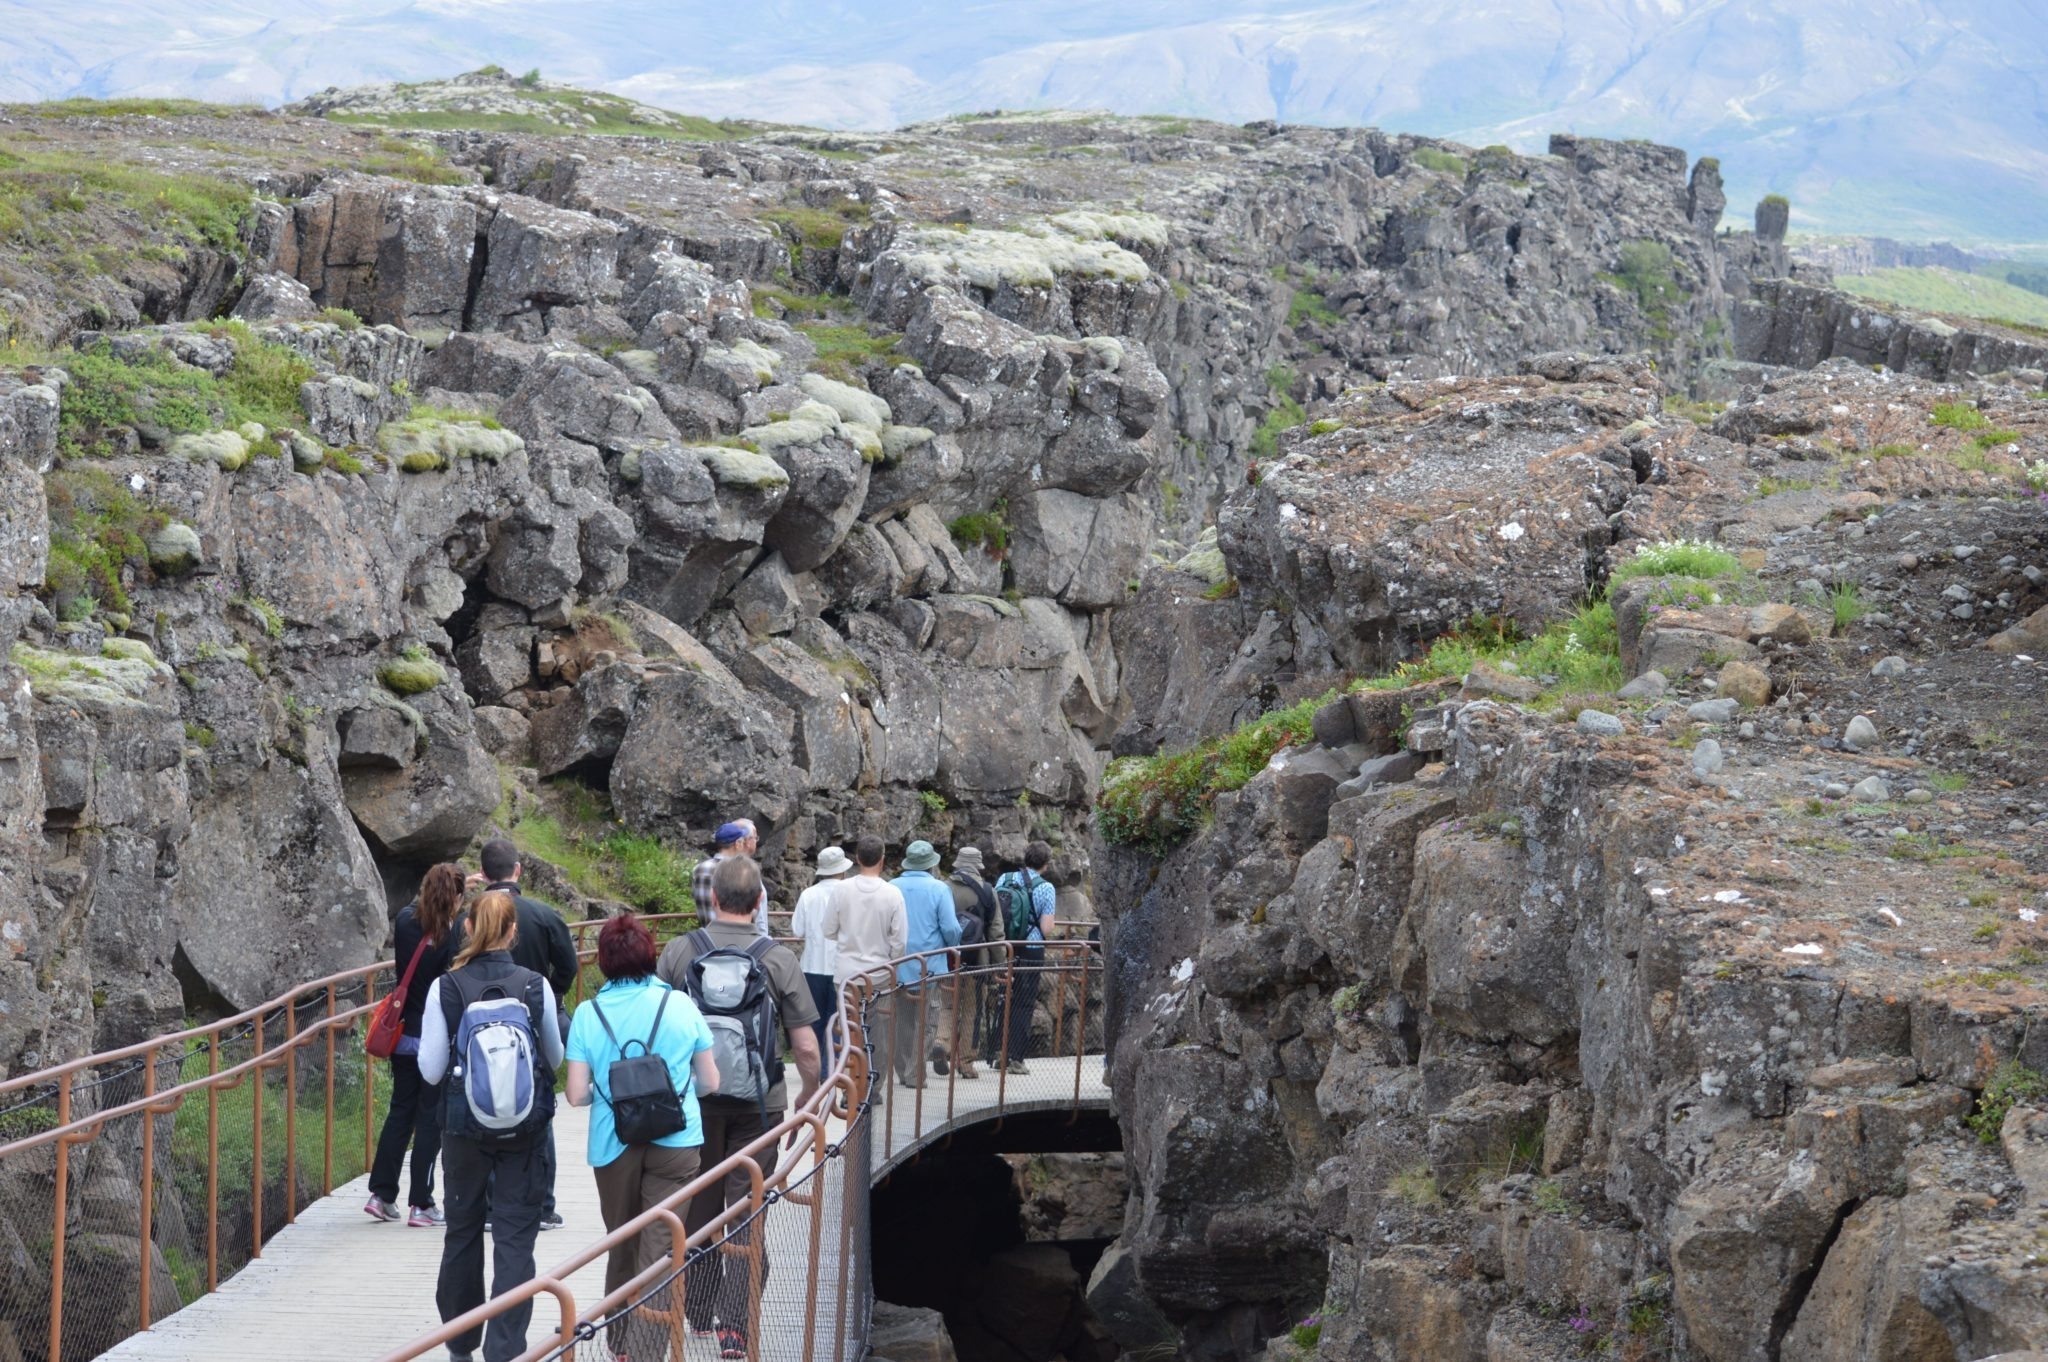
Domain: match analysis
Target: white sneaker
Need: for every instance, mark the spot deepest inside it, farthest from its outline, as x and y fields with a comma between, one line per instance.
x=377, y=1208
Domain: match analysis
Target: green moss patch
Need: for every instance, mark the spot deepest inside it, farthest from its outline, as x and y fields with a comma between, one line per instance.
x=412, y=672
x=150, y=390
x=99, y=536
x=577, y=832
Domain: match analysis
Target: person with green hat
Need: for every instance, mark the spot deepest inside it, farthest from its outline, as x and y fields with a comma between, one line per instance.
x=928, y=905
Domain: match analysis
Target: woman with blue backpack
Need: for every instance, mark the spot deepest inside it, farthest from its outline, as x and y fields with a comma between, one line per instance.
x=639, y=1056
x=489, y=1039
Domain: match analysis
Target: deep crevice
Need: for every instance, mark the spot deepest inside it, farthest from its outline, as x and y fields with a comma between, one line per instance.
x=1802, y=1284
x=479, y=261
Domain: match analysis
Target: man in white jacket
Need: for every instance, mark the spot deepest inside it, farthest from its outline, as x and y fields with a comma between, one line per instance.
x=870, y=926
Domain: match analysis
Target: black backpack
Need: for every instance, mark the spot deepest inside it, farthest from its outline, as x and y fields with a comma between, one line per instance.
x=974, y=927
x=643, y=1099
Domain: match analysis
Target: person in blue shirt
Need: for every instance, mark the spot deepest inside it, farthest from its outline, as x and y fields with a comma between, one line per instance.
x=928, y=906
x=637, y=1005
x=1007, y=1051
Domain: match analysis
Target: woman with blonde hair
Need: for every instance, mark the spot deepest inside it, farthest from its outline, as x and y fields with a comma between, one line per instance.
x=423, y=938
x=489, y=1030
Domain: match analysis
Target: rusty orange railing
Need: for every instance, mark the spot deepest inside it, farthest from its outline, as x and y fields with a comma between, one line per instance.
x=84, y=1109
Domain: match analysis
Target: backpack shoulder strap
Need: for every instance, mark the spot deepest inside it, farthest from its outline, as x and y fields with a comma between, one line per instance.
x=701, y=944
x=654, y=1031
x=610, y=1035
x=758, y=948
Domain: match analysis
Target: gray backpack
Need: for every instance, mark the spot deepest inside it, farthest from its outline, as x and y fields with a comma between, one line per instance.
x=732, y=989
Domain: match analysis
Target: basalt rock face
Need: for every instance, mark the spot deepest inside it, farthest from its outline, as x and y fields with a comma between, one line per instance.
x=1632, y=1031
x=1798, y=325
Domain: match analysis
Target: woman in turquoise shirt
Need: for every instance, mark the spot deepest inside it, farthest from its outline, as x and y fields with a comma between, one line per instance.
x=633, y=1177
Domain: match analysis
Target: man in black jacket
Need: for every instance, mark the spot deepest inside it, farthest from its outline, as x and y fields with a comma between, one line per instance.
x=543, y=946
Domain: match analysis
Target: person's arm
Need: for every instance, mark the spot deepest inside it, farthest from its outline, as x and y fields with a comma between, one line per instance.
x=433, y=1057
x=579, y=1087
x=669, y=968
x=705, y=1067
x=803, y=1048
x=899, y=928
x=550, y=1030
x=562, y=962
x=829, y=923
x=761, y=914
x=1048, y=903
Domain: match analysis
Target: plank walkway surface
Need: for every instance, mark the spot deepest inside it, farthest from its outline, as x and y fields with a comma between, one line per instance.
x=336, y=1286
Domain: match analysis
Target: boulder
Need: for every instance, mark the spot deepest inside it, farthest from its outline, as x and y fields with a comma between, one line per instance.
x=585, y=727
x=827, y=733
x=828, y=482
x=381, y=735
x=275, y=298
x=2029, y=636
x=1746, y=682
x=1080, y=550
x=903, y=1333
x=542, y=257
x=495, y=662
x=697, y=749
x=433, y=807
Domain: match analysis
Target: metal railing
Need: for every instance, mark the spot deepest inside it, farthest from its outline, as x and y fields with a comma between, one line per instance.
x=161, y=1168
x=825, y=1179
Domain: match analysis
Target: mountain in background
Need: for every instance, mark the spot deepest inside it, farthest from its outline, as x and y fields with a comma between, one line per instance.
x=1909, y=118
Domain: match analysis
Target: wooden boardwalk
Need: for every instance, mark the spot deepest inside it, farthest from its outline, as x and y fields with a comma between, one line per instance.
x=336, y=1286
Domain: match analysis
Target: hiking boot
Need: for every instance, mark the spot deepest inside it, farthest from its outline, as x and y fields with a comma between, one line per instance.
x=377, y=1208
x=967, y=1069
x=941, y=1061
x=551, y=1221
x=1013, y=1067
x=732, y=1343
x=426, y=1218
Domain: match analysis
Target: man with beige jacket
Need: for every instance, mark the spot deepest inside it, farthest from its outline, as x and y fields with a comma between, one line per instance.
x=869, y=923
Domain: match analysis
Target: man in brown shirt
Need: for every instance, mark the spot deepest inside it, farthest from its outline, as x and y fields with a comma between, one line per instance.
x=722, y=1286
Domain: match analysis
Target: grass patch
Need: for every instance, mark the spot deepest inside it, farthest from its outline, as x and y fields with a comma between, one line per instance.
x=817, y=229
x=1693, y=558
x=1933, y=289
x=99, y=535
x=1648, y=271
x=987, y=530
x=1848, y=605
x=403, y=160
x=1153, y=802
x=1958, y=416
x=1948, y=782
x=781, y=303
x=1221, y=591
x=1549, y=1198
x=603, y=859
x=1309, y=306
x=2012, y=1084
x=1441, y=161
x=560, y=113
x=44, y=196
x=1701, y=414
x=1417, y=1188
x=153, y=392
x=1285, y=415
x=132, y=108
x=844, y=350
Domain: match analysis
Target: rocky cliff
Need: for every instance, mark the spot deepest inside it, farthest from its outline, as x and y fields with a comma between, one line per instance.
x=1645, y=957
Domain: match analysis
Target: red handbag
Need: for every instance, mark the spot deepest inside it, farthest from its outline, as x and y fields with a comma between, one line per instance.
x=387, y=1024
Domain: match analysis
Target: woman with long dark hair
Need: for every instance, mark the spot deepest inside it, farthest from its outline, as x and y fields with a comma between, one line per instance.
x=423, y=937
x=635, y=1013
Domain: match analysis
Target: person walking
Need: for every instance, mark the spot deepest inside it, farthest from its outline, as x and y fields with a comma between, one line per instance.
x=421, y=936
x=869, y=926
x=633, y=1014
x=981, y=922
x=490, y=1040
x=737, y=838
x=923, y=1000
x=819, y=954
x=753, y=994
x=1028, y=900
x=543, y=946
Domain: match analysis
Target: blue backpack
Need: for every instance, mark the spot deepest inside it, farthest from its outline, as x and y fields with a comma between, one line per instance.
x=499, y=1092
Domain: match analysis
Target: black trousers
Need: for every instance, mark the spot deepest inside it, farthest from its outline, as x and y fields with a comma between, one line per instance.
x=508, y=1188
x=721, y=1282
x=415, y=1119
x=1023, y=1001
x=826, y=996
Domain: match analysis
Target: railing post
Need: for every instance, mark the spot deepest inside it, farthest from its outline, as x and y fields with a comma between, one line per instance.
x=63, y=1181
x=213, y=1164
x=1080, y=1043
x=291, y=1111
x=369, y=1071
x=256, y=1147
x=327, y=1140
x=148, y=1193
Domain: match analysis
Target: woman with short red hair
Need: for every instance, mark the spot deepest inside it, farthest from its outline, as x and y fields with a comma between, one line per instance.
x=632, y=1009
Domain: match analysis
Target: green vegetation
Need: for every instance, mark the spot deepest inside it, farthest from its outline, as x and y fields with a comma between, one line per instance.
x=934, y=803
x=1693, y=558
x=403, y=160
x=1153, y=802
x=1701, y=414
x=561, y=113
x=341, y=317
x=1952, y=292
x=412, y=672
x=199, y=735
x=844, y=350
x=772, y=301
x=98, y=532
x=45, y=195
x=816, y=229
x=264, y=614
x=1417, y=1187
x=1549, y=1198
x=1962, y=416
x=1439, y=160
x=1948, y=781
x=1648, y=271
x=2012, y=1084
x=152, y=391
x=1221, y=591
x=1848, y=604
x=603, y=859
x=1285, y=415
x=1307, y=305
x=131, y=108
x=1307, y=1334
x=986, y=530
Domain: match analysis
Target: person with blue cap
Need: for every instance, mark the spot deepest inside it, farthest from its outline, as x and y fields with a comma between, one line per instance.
x=737, y=838
x=933, y=926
